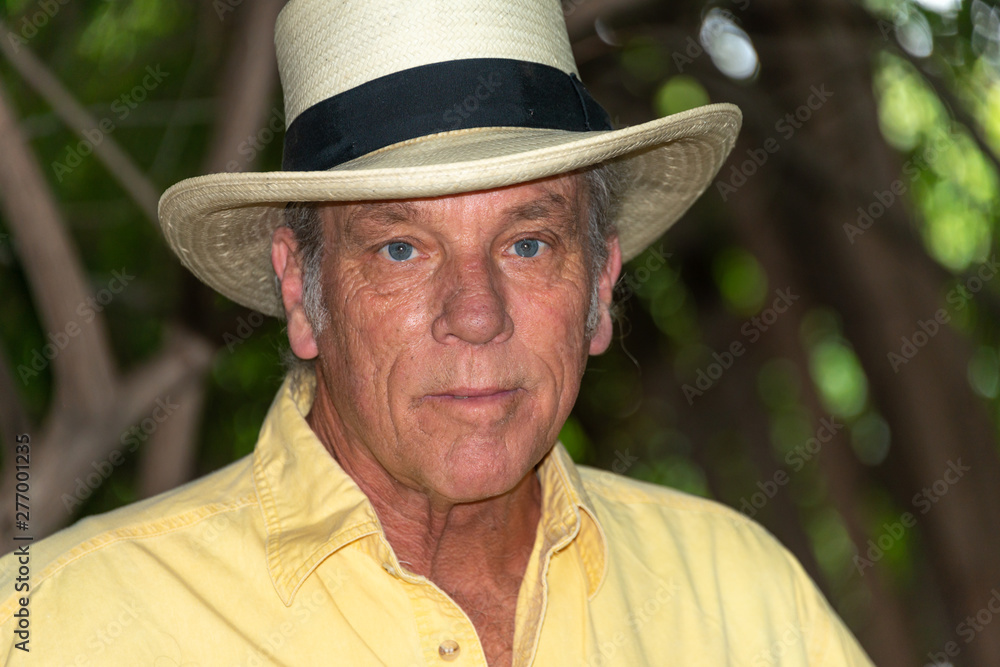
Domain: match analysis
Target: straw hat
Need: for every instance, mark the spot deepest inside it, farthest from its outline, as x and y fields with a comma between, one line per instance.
x=398, y=99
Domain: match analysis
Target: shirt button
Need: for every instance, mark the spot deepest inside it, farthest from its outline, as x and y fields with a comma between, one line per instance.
x=389, y=568
x=449, y=650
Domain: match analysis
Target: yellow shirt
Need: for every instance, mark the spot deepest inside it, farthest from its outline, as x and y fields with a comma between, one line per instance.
x=280, y=559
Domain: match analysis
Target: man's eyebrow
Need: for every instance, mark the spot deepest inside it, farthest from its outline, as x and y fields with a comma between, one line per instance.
x=551, y=205
x=383, y=214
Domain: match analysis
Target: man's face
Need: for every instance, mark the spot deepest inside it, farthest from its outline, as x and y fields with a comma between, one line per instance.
x=456, y=342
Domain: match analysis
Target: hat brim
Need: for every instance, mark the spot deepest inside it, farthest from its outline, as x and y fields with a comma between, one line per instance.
x=220, y=225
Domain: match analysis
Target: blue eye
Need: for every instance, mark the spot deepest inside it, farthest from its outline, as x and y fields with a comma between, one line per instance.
x=528, y=248
x=397, y=251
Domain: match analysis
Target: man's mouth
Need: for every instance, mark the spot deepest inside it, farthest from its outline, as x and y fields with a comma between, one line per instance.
x=475, y=394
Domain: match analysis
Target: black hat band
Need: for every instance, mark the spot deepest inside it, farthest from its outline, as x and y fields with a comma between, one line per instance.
x=452, y=95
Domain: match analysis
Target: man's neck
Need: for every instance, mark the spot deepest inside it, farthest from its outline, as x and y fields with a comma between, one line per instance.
x=431, y=536
x=476, y=552
x=493, y=536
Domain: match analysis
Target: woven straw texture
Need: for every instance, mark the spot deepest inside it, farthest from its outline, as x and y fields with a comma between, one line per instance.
x=220, y=225
x=326, y=48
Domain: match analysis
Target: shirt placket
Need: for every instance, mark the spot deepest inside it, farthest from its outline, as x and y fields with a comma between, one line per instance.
x=447, y=635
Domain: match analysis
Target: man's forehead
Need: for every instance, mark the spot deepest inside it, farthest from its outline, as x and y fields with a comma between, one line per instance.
x=557, y=196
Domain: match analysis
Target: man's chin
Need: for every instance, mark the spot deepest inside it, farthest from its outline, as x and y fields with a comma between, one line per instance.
x=470, y=482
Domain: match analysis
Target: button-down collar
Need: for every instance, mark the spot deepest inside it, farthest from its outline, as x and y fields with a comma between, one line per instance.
x=312, y=508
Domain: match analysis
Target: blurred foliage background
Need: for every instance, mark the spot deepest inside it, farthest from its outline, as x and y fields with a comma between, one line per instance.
x=814, y=344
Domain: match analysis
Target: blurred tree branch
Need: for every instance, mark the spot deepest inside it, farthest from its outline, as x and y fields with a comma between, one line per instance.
x=72, y=447
x=248, y=80
x=84, y=370
x=117, y=161
x=92, y=406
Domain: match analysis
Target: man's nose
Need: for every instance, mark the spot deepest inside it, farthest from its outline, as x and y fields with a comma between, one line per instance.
x=473, y=309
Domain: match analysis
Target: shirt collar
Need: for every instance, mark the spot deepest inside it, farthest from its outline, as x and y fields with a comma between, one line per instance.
x=312, y=508
x=562, y=521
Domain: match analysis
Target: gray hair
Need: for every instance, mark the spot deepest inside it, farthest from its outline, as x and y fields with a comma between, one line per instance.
x=604, y=183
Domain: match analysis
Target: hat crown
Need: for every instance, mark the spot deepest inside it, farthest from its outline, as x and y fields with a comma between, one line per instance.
x=326, y=47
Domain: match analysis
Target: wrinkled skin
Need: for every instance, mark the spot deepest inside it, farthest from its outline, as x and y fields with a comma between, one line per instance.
x=452, y=357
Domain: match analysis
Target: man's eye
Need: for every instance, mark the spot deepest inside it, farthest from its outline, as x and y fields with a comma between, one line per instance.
x=529, y=247
x=397, y=251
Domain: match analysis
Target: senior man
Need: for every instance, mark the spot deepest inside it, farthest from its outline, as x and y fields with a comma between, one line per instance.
x=443, y=242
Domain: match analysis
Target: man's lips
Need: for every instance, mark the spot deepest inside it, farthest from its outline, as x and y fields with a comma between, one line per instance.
x=474, y=394
x=474, y=406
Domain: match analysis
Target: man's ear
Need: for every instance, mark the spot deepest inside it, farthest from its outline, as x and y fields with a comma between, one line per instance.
x=285, y=261
x=605, y=292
